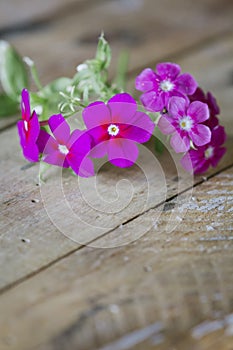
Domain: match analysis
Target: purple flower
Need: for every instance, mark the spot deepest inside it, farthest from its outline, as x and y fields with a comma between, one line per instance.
x=116, y=127
x=65, y=149
x=28, y=129
x=210, y=100
x=161, y=85
x=183, y=122
x=199, y=160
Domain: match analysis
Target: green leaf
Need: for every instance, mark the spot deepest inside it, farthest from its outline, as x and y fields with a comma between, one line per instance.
x=8, y=106
x=49, y=98
x=13, y=73
x=56, y=86
x=103, y=52
x=121, y=70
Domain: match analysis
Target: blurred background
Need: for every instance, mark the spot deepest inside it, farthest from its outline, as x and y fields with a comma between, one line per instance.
x=60, y=34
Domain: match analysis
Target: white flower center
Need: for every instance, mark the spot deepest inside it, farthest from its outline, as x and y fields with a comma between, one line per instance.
x=113, y=130
x=186, y=123
x=63, y=149
x=26, y=125
x=166, y=85
x=209, y=152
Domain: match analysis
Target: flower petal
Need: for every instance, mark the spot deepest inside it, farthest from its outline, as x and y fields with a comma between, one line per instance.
x=200, y=135
x=212, y=102
x=168, y=70
x=199, y=163
x=165, y=125
x=122, y=107
x=186, y=84
x=25, y=105
x=29, y=148
x=152, y=102
x=34, y=128
x=80, y=143
x=122, y=97
x=83, y=167
x=140, y=129
x=218, y=154
x=212, y=122
x=60, y=128
x=177, y=106
x=145, y=81
x=21, y=132
x=46, y=143
x=56, y=158
x=180, y=144
x=186, y=162
x=122, y=152
x=99, y=150
x=96, y=114
x=218, y=136
x=31, y=152
x=199, y=111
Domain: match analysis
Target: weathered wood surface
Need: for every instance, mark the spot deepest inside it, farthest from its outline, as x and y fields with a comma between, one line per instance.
x=174, y=288
x=21, y=15
x=169, y=289
x=20, y=215
x=151, y=32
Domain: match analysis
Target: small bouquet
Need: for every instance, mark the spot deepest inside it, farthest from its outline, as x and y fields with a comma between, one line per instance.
x=113, y=122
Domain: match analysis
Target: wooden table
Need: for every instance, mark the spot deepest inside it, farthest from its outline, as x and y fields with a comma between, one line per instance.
x=167, y=289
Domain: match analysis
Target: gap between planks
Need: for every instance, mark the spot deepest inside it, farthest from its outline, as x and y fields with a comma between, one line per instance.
x=226, y=112
x=17, y=282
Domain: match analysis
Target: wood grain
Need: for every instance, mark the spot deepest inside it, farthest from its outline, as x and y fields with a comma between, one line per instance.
x=170, y=288
x=18, y=15
x=164, y=290
x=148, y=30
x=23, y=218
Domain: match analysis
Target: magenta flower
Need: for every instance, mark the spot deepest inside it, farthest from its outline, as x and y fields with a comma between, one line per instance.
x=210, y=100
x=161, y=85
x=65, y=149
x=28, y=129
x=116, y=127
x=183, y=122
x=199, y=160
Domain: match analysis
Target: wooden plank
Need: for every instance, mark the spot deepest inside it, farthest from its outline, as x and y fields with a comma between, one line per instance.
x=154, y=39
x=148, y=30
x=166, y=289
x=23, y=218
x=17, y=15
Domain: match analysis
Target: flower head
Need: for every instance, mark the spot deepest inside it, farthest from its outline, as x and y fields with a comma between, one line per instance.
x=199, y=160
x=210, y=100
x=183, y=121
x=65, y=149
x=116, y=127
x=160, y=85
x=28, y=129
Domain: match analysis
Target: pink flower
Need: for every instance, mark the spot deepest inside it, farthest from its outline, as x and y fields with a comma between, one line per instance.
x=65, y=149
x=28, y=129
x=161, y=85
x=116, y=127
x=183, y=122
x=210, y=100
x=199, y=160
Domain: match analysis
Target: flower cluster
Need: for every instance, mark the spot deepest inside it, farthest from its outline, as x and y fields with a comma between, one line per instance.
x=113, y=124
x=186, y=114
x=112, y=129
